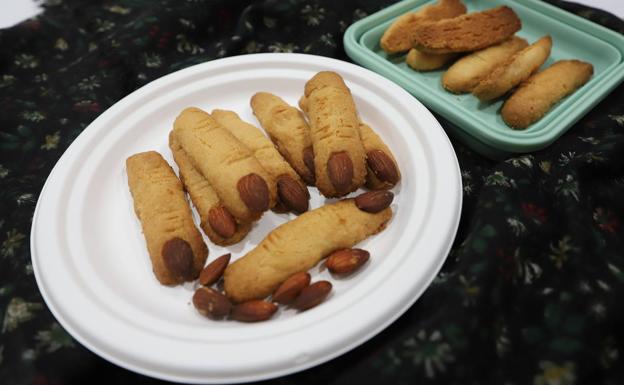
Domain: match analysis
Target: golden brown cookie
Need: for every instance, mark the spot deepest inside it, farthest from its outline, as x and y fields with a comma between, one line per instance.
x=291, y=190
x=514, y=70
x=535, y=97
x=339, y=157
x=383, y=169
x=175, y=246
x=398, y=37
x=468, y=32
x=216, y=221
x=421, y=61
x=288, y=129
x=298, y=245
x=245, y=188
x=465, y=74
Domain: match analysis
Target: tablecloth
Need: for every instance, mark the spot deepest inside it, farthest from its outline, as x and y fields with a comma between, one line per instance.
x=530, y=293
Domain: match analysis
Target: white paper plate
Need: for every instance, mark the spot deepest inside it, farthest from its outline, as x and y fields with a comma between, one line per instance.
x=92, y=266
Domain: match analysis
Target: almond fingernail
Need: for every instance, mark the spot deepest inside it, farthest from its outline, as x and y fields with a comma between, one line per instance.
x=374, y=201
x=222, y=222
x=340, y=171
x=292, y=194
x=178, y=258
x=254, y=192
x=382, y=166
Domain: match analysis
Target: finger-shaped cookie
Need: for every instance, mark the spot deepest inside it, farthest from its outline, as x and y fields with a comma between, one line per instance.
x=469, y=32
x=514, y=70
x=216, y=221
x=535, y=97
x=242, y=184
x=291, y=190
x=176, y=248
x=298, y=245
x=398, y=37
x=467, y=72
x=422, y=61
x=288, y=129
x=339, y=157
x=383, y=169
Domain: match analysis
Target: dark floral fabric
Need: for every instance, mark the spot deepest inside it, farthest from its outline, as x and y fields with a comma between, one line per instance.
x=530, y=294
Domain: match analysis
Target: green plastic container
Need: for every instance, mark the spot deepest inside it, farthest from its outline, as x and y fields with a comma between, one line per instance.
x=478, y=124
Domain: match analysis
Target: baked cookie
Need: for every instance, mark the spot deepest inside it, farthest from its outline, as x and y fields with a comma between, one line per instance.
x=514, y=70
x=216, y=221
x=175, y=246
x=468, y=32
x=383, y=170
x=398, y=37
x=291, y=190
x=288, y=130
x=535, y=97
x=421, y=61
x=298, y=245
x=465, y=74
x=339, y=157
x=245, y=188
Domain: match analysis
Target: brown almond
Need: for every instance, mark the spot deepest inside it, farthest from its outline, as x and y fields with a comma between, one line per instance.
x=382, y=166
x=280, y=207
x=253, y=311
x=254, y=192
x=214, y=270
x=290, y=288
x=178, y=259
x=340, y=171
x=211, y=303
x=222, y=222
x=346, y=261
x=374, y=201
x=312, y=295
x=308, y=160
x=292, y=194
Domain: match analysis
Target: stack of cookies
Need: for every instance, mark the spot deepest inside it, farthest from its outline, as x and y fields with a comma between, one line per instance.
x=495, y=63
x=233, y=173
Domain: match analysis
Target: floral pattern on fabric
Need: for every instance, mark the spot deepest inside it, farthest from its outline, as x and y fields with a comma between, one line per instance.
x=530, y=293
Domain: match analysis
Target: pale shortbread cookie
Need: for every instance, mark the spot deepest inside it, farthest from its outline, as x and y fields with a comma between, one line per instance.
x=262, y=148
x=223, y=160
x=203, y=196
x=298, y=245
x=334, y=131
x=398, y=37
x=465, y=74
x=535, y=97
x=514, y=70
x=421, y=61
x=176, y=248
x=288, y=130
x=468, y=32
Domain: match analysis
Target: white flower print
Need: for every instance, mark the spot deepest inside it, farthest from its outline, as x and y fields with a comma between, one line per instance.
x=61, y=44
x=33, y=116
x=328, y=39
x=313, y=14
x=12, y=242
x=283, y=47
x=553, y=374
x=53, y=339
x=26, y=61
x=429, y=351
x=499, y=179
x=18, y=311
x=51, y=141
x=90, y=83
x=3, y=171
x=619, y=119
x=524, y=160
x=568, y=187
x=517, y=227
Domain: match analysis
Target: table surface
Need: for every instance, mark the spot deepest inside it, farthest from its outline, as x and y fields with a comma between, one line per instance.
x=19, y=10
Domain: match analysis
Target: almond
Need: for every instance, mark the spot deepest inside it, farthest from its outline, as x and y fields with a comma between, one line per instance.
x=254, y=192
x=279, y=207
x=340, y=171
x=253, y=311
x=211, y=303
x=346, y=261
x=292, y=194
x=308, y=160
x=382, y=166
x=214, y=270
x=222, y=222
x=374, y=201
x=312, y=295
x=178, y=259
x=290, y=288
